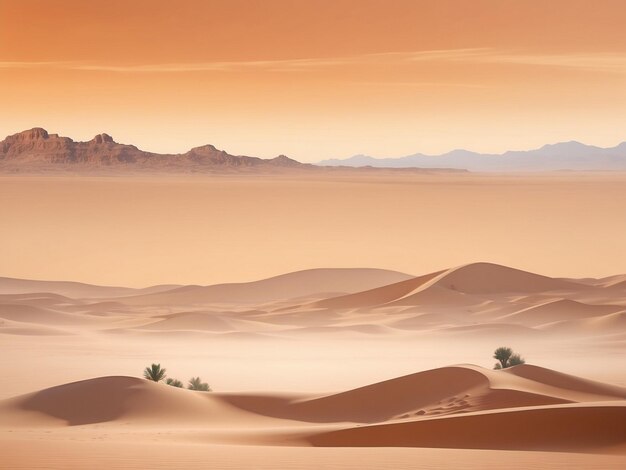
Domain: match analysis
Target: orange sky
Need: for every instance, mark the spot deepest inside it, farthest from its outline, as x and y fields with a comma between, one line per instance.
x=317, y=79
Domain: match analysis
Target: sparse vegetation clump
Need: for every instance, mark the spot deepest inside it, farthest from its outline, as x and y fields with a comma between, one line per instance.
x=155, y=372
x=506, y=358
x=516, y=360
x=196, y=383
x=174, y=382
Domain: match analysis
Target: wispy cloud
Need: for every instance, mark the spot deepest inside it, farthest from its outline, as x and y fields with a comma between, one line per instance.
x=601, y=62
x=33, y=65
x=280, y=65
x=609, y=62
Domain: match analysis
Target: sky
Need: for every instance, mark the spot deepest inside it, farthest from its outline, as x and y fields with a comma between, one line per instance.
x=316, y=79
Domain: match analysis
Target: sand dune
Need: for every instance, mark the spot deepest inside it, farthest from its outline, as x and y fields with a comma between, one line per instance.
x=524, y=407
x=435, y=392
x=205, y=321
x=488, y=331
x=114, y=399
x=578, y=428
x=618, y=281
x=489, y=278
x=566, y=381
x=488, y=410
x=39, y=315
x=9, y=327
x=76, y=290
x=286, y=286
x=191, y=321
x=473, y=300
x=376, y=296
x=559, y=310
x=610, y=324
x=443, y=287
x=40, y=299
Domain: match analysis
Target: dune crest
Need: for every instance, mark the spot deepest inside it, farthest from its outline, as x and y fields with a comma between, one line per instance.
x=322, y=281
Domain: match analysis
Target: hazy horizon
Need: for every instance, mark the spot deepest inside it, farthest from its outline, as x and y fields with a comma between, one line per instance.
x=138, y=231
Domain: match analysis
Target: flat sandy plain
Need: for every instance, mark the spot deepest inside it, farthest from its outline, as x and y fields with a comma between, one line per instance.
x=369, y=366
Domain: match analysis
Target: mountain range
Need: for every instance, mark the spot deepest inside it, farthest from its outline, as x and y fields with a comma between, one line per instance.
x=561, y=156
x=36, y=149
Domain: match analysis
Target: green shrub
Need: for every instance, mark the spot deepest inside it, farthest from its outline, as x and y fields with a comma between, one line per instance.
x=196, y=383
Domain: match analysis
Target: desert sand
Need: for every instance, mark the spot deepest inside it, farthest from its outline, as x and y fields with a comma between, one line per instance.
x=296, y=322
x=345, y=361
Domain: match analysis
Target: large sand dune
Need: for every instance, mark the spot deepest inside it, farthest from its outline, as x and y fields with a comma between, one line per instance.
x=116, y=399
x=287, y=286
x=554, y=428
x=525, y=407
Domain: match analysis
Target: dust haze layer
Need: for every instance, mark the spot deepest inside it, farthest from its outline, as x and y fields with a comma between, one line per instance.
x=202, y=229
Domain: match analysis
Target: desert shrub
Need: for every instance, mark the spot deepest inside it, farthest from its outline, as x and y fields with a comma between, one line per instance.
x=506, y=358
x=516, y=360
x=503, y=354
x=196, y=383
x=174, y=382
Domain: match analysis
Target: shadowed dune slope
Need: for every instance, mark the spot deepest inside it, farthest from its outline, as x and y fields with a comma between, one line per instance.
x=574, y=428
x=442, y=391
x=614, y=323
x=377, y=296
x=372, y=403
x=475, y=282
x=559, y=310
x=286, y=286
x=556, y=379
x=489, y=278
x=39, y=315
x=191, y=321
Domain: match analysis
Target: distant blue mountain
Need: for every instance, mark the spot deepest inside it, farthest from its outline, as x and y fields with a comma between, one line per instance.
x=562, y=156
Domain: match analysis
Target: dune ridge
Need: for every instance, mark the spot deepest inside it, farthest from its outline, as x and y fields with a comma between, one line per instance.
x=473, y=300
x=524, y=407
x=292, y=285
x=72, y=289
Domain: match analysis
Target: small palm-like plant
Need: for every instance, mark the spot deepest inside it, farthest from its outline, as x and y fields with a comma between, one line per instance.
x=155, y=372
x=174, y=382
x=196, y=383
